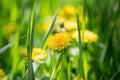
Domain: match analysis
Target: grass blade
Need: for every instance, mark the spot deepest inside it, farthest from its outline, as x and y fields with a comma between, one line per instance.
x=49, y=30
x=80, y=63
x=30, y=45
x=3, y=49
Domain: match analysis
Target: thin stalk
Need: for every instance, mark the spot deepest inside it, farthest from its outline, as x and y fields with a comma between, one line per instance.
x=80, y=65
x=56, y=66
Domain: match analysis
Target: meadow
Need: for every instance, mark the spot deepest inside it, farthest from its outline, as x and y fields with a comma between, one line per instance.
x=59, y=39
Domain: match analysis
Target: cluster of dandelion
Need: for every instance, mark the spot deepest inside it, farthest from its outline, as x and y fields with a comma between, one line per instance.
x=64, y=31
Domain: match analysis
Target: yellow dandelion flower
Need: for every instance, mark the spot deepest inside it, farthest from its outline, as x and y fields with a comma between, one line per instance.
x=9, y=28
x=37, y=54
x=70, y=25
x=67, y=11
x=88, y=36
x=2, y=74
x=59, y=41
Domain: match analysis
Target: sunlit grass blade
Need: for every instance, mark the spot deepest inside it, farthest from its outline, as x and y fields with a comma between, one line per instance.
x=3, y=49
x=30, y=45
x=49, y=30
x=80, y=63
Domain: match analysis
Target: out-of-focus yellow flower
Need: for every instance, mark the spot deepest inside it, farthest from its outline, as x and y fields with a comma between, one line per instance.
x=43, y=27
x=46, y=25
x=59, y=41
x=37, y=54
x=9, y=28
x=88, y=36
x=2, y=74
x=67, y=11
x=70, y=25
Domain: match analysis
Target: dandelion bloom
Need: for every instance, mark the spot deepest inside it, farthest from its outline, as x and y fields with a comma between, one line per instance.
x=88, y=36
x=67, y=11
x=70, y=25
x=2, y=74
x=59, y=41
x=38, y=54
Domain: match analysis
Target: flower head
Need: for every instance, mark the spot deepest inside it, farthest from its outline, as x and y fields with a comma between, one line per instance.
x=38, y=54
x=2, y=74
x=67, y=11
x=88, y=36
x=70, y=25
x=59, y=41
